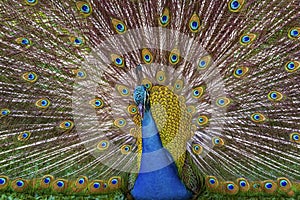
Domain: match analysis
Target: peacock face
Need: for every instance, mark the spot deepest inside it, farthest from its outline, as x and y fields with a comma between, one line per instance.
x=140, y=97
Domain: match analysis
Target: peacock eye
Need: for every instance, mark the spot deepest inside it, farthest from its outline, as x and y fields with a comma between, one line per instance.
x=283, y=183
x=30, y=77
x=20, y=183
x=132, y=109
x=60, y=184
x=174, y=56
x=178, y=85
x=24, y=136
x=247, y=39
x=258, y=117
x=164, y=19
x=294, y=33
x=160, y=76
x=217, y=141
x=102, y=145
x=147, y=83
x=120, y=122
x=4, y=112
x=243, y=183
x=268, y=185
x=198, y=92
x=230, y=186
x=292, y=66
x=66, y=125
x=47, y=180
x=239, y=72
x=295, y=137
x=96, y=185
x=119, y=26
x=275, y=96
x=81, y=181
x=223, y=101
x=2, y=181
x=126, y=149
x=42, y=103
x=123, y=90
x=84, y=8
x=212, y=181
x=147, y=56
x=235, y=5
x=197, y=149
x=97, y=103
x=202, y=120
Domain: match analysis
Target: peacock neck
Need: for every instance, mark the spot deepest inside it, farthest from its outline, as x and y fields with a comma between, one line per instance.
x=158, y=175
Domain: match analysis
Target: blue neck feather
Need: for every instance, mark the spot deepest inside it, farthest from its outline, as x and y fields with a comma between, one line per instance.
x=158, y=177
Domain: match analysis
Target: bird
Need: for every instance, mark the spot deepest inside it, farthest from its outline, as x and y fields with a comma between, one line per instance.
x=146, y=99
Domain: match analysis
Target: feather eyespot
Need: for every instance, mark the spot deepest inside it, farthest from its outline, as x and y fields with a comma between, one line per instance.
x=126, y=149
x=202, y=120
x=97, y=103
x=292, y=66
x=161, y=77
x=119, y=26
x=217, y=141
x=284, y=184
x=147, y=83
x=42, y=103
x=194, y=23
x=247, y=39
x=269, y=186
x=114, y=182
x=123, y=90
x=212, y=182
x=178, y=85
x=19, y=184
x=223, y=101
x=240, y=72
x=294, y=33
x=204, y=62
x=30, y=77
x=244, y=185
x=24, y=136
x=174, y=56
x=120, y=122
x=295, y=137
x=275, y=96
x=31, y=2
x=103, y=145
x=258, y=117
x=164, y=19
x=147, y=56
x=132, y=109
x=23, y=41
x=231, y=188
x=76, y=41
x=117, y=60
x=4, y=112
x=235, y=5
x=197, y=149
x=4, y=182
x=66, y=125
x=198, y=92
x=84, y=8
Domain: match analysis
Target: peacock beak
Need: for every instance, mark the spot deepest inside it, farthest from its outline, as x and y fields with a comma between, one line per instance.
x=141, y=110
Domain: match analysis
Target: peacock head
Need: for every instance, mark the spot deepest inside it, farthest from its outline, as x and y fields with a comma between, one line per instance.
x=141, y=99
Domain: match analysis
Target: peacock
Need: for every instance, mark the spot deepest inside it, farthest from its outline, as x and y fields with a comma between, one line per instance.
x=146, y=99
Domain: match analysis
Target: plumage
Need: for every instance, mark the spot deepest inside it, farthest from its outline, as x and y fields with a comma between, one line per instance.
x=145, y=99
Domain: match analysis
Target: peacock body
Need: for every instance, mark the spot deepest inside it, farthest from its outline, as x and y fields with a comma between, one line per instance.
x=148, y=99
